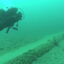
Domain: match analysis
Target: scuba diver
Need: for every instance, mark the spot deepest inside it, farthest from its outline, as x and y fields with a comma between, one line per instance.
x=9, y=18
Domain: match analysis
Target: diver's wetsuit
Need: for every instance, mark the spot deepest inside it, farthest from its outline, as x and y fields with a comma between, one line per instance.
x=9, y=18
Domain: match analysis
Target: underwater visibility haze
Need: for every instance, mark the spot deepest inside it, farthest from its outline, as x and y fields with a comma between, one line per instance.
x=25, y=24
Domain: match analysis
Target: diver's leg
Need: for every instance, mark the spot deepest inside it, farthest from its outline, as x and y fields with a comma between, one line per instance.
x=8, y=29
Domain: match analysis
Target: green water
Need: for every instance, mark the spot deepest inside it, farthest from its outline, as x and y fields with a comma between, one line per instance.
x=40, y=18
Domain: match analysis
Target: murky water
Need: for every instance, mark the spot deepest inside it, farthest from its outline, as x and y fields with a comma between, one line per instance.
x=40, y=18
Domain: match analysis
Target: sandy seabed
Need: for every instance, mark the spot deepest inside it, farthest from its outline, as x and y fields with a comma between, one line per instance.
x=54, y=56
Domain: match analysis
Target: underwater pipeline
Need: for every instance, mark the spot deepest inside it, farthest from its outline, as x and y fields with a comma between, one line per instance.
x=33, y=54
